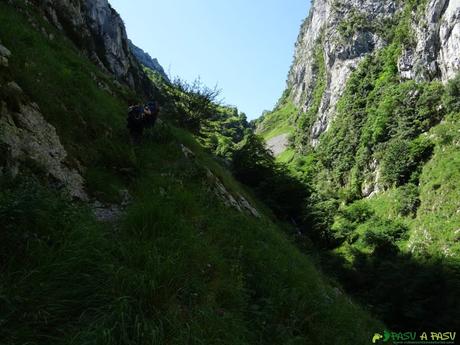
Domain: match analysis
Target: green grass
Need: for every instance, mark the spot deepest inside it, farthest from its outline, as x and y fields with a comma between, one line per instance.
x=286, y=157
x=409, y=240
x=277, y=122
x=438, y=214
x=179, y=268
x=89, y=120
x=430, y=208
x=182, y=269
x=286, y=129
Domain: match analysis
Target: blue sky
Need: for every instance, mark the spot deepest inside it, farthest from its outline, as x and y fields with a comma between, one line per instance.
x=243, y=46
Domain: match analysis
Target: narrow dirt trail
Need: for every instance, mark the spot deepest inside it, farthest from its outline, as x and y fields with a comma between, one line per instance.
x=278, y=144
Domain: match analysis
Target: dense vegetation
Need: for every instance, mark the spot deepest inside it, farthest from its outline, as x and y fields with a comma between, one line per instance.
x=179, y=267
x=278, y=121
x=383, y=183
x=254, y=165
x=197, y=108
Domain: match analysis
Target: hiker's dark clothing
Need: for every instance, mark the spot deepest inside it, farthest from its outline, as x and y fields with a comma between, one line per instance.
x=140, y=117
x=136, y=123
x=151, y=119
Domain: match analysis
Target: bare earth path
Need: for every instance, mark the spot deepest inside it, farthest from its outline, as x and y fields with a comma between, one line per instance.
x=278, y=144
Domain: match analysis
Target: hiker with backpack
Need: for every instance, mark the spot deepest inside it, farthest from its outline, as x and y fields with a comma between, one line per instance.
x=141, y=117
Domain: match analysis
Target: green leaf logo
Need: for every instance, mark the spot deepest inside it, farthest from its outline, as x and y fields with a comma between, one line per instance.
x=376, y=338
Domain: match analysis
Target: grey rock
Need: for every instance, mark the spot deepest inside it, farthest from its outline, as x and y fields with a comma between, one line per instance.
x=187, y=152
x=436, y=52
x=216, y=186
x=449, y=34
x=4, y=61
x=14, y=87
x=146, y=60
x=372, y=184
x=434, y=56
x=110, y=213
x=98, y=30
x=5, y=52
x=26, y=137
x=278, y=144
x=341, y=54
x=244, y=203
x=239, y=202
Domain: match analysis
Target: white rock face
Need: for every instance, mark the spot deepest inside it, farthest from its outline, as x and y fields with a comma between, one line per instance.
x=107, y=26
x=435, y=55
x=98, y=30
x=449, y=35
x=145, y=59
x=341, y=54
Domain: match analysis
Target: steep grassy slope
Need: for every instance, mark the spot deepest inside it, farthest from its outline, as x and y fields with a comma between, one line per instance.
x=178, y=268
x=279, y=121
x=400, y=248
x=438, y=218
x=74, y=96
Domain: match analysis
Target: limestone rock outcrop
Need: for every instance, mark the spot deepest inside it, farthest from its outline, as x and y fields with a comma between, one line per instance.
x=98, y=30
x=436, y=53
x=145, y=59
x=339, y=34
x=26, y=139
x=338, y=30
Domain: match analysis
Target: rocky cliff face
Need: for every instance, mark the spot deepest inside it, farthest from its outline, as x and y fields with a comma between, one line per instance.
x=146, y=60
x=97, y=29
x=340, y=31
x=375, y=84
x=339, y=34
x=436, y=52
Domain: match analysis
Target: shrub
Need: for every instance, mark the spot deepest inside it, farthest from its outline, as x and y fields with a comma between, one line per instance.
x=407, y=200
x=403, y=160
x=451, y=98
x=354, y=22
x=348, y=219
x=380, y=232
x=194, y=102
x=342, y=229
x=429, y=108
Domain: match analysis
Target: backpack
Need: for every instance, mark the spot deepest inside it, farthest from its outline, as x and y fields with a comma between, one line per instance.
x=149, y=121
x=135, y=117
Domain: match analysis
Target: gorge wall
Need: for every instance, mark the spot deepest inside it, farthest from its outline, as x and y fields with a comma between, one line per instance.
x=338, y=35
x=371, y=108
x=98, y=30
